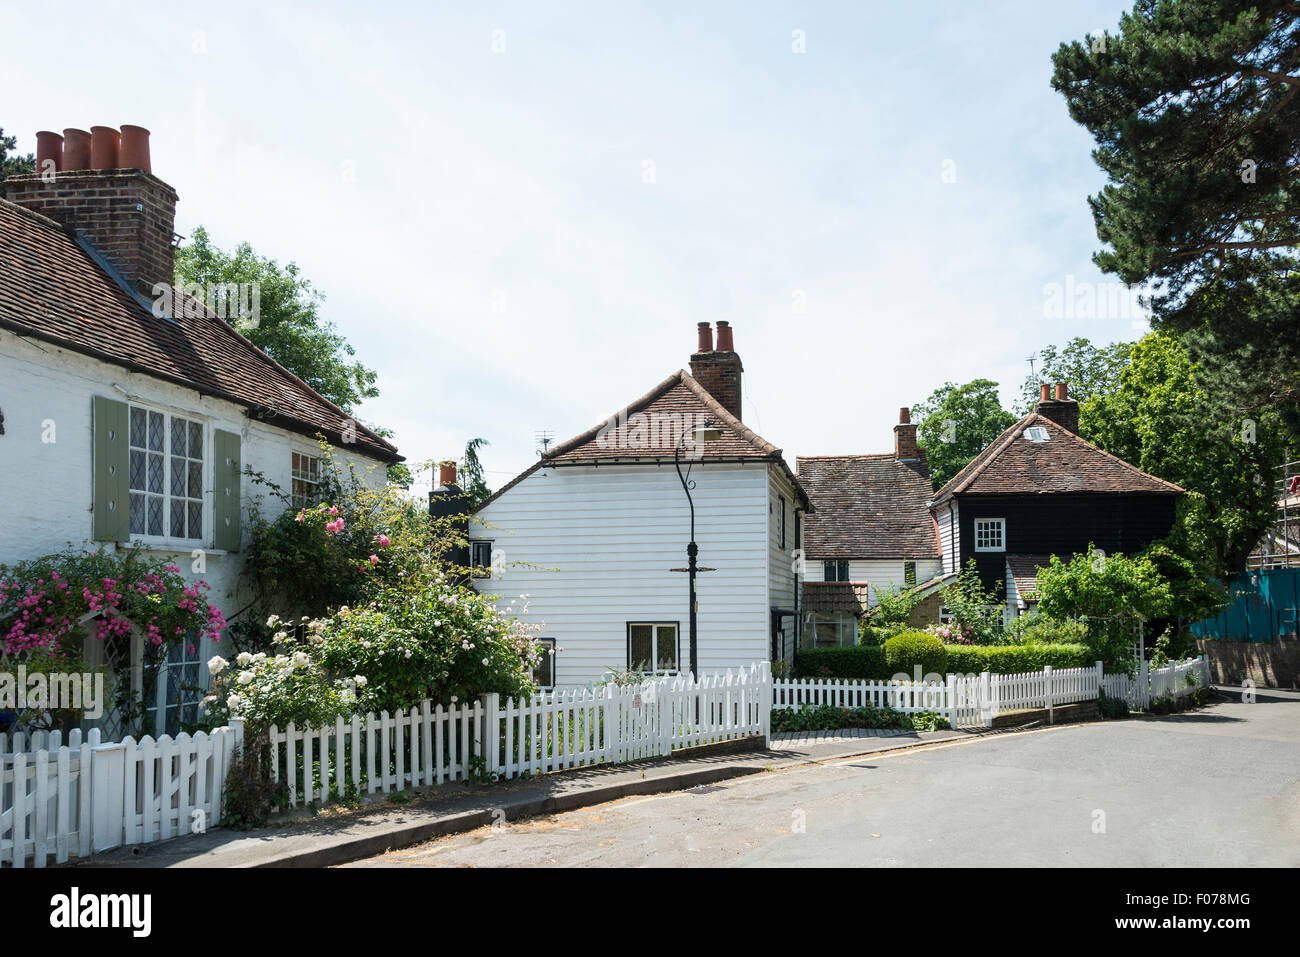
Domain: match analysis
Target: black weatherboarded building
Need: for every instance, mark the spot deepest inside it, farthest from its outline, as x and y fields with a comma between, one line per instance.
x=1040, y=490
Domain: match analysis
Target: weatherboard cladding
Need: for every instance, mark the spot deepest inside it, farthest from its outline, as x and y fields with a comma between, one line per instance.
x=52, y=289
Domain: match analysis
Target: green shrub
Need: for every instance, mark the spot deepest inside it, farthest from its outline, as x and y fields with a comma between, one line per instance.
x=906, y=652
x=1014, y=659
x=831, y=718
x=1111, y=708
x=867, y=662
x=861, y=661
x=1040, y=630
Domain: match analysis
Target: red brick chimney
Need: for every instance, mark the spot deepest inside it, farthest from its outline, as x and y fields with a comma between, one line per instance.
x=1062, y=410
x=719, y=370
x=99, y=184
x=905, y=447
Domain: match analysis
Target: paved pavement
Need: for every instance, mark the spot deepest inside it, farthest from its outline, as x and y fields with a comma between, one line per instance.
x=1216, y=787
x=339, y=835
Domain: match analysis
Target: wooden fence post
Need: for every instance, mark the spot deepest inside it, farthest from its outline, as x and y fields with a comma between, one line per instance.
x=492, y=759
x=107, y=773
x=1047, y=691
x=986, y=699
x=951, y=701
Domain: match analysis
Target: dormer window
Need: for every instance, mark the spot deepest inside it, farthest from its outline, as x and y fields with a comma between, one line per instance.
x=1036, y=433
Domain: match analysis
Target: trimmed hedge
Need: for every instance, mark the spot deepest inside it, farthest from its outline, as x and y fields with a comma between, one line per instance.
x=912, y=650
x=868, y=661
x=1013, y=659
x=857, y=661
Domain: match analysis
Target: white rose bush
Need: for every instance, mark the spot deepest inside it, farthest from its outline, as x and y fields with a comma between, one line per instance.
x=430, y=639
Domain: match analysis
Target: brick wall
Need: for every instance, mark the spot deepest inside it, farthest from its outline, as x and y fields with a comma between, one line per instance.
x=128, y=216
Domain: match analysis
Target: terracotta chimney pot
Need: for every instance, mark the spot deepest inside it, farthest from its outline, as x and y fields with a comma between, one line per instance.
x=706, y=337
x=134, y=153
x=76, y=149
x=904, y=416
x=1044, y=392
x=446, y=474
x=725, y=343
x=1062, y=392
x=104, y=142
x=49, y=146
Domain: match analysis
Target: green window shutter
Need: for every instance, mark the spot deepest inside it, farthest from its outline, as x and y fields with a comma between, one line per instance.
x=112, y=494
x=226, y=490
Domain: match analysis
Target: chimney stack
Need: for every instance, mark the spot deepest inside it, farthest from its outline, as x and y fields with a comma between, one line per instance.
x=100, y=185
x=719, y=370
x=905, y=447
x=449, y=507
x=1061, y=409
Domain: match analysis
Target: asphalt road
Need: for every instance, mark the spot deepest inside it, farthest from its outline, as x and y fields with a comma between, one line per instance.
x=1213, y=788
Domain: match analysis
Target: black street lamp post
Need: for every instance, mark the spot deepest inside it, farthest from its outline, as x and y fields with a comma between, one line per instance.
x=706, y=433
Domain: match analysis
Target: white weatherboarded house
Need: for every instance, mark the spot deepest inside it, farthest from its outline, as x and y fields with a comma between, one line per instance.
x=595, y=535
x=121, y=429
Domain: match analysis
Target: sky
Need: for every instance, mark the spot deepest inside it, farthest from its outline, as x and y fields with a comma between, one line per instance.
x=518, y=212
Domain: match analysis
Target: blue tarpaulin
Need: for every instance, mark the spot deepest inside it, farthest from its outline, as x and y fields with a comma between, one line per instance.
x=1263, y=605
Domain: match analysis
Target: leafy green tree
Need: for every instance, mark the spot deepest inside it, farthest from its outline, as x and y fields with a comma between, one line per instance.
x=1194, y=110
x=1088, y=369
x=956, y=423
x=1160, y=420
x=288, y=326
x=1115, y=593
x=1153, y=595
x=470, y=474
x=13, y=165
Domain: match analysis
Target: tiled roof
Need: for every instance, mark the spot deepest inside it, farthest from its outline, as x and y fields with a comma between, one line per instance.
x=52, y=289
x=1024, y=571
x=837, y=596
x=867, y=506
x=1065, y=464
x=647, y=431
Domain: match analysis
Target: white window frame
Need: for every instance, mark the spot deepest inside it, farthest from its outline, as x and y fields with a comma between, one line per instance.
x=1001, y=525
x=315, y=456
x=474, y=544
x=167, y=540
x=1037, y=433
x=656, y=627
x=550, y=653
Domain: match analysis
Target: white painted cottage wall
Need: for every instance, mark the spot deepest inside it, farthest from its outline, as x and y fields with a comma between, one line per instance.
x=949, y=541
x=781, y=574
x=591, y=547
x=879, y=572
x=46, y=487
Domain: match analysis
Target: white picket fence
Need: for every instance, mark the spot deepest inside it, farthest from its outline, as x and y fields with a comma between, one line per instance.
x=492, y=738
x=169, y=786
x=63, y=800
x=618, y=724
x=975, y=700
x=66, y=800
x=1176, y=680
x=45, y=797
x=909, y=697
